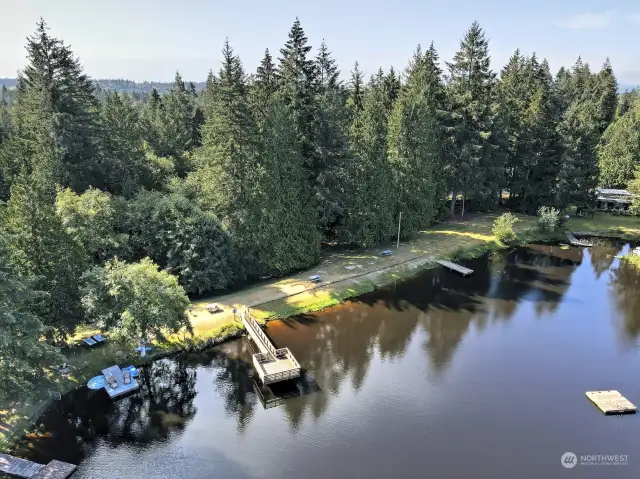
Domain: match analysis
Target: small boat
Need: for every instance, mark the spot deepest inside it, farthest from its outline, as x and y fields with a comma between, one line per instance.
x=315, y=278
x=115, y=381
x=387, y=252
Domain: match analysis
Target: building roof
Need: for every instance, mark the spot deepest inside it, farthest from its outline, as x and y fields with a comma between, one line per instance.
x=613, y=192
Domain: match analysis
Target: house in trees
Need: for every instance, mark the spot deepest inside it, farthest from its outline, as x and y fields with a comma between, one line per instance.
x=612, y=200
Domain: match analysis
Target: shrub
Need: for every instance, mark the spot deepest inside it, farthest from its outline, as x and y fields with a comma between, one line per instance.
x=548, y=218
x=503, y=228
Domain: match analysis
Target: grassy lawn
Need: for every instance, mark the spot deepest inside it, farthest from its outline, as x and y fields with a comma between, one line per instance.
x=629, y=225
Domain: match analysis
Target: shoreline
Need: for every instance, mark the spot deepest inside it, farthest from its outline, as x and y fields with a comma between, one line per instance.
x=292, y=296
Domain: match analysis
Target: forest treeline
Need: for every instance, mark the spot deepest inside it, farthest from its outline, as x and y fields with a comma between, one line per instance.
x=250, y=176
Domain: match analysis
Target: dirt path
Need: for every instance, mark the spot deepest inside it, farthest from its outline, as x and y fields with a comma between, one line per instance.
x=342, y=266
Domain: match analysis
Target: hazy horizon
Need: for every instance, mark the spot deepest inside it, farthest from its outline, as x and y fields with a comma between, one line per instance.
x=149, y=41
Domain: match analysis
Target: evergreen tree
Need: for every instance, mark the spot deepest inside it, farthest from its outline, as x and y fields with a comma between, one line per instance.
x=606, y=95
x=223, y=180
x=264, y=86
x=579, y=172
x=391, y=89
x=5, y=116
x=298, y=87
x=25, y=356
x=470, y=125
x=369, y=197
x=182, y=239
x=356, y=87
x=284, y=231
x=331, y=141
x=41, y=247
x=415, y=144
x=328, y=73
x=55, y=100
x=619, y=150
x=125, y=160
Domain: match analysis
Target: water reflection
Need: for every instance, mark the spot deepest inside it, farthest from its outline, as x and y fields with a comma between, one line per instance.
x=370, y=358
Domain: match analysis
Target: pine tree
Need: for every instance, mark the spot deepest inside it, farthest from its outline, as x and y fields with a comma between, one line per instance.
x=55, y=99
x=24, y=355
x=41, y=247
x=226, y=162
x=619, y=150
x=5, y=116
x=264, y=86
x=391, y=89
x=415, y=144
x=286, y=238
x=331, y=141
x=124, y=155
x=470, y=126
x=328, y=73
x=297, y=88
x=356, y=88
x=606, y=95
x=369, y=197
x=580, y=133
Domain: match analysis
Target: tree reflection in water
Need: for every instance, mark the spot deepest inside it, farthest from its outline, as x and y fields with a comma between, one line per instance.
x=162, y=407
x=625, y=285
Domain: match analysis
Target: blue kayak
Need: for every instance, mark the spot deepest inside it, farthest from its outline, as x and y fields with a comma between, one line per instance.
x=96, y=383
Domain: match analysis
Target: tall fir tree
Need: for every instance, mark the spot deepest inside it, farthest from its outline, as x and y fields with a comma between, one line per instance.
x=226, y=163
x=297, y=89
x=356, y=91
x=54, y=99
x=25, y=356
x=606, y=95
x=415, y=144
x=284, y=229
x=368, y=189
x=470, y=124
x=619, y=149
x=41, y=247
x=264, y=86
x=124, y=155
x=392, y=87
x=331, y=141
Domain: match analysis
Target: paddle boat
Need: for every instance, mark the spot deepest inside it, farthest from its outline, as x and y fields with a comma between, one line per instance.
x=115, y=381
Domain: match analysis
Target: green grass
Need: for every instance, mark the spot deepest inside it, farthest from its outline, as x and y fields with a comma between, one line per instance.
x=605, y=222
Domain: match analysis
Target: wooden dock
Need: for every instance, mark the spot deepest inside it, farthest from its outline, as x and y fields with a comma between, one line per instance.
x=611, y=402
x=16, y=467
x=455, y=267
x=273, y=365
x=576, y=242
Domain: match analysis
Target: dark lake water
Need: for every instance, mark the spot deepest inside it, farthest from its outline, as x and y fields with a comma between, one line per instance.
x=440, y=377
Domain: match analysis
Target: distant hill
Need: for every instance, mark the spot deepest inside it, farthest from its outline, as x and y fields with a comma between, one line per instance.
x=627, y=87
x=120, y=85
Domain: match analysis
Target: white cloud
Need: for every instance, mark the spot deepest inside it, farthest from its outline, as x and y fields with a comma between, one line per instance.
x=635, y=18
x=589, y=20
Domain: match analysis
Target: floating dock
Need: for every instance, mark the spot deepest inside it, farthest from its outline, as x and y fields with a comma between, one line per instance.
x=273, y=365
x=122, y=388
x=455, y=267
x=576, y=242
x=611, y=402
x=16, y=467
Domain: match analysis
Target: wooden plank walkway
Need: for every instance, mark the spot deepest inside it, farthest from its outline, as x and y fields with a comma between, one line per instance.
x=576, y=242
x=14, y=466
x=272, y=365
x=611, y=402
x=455, y=267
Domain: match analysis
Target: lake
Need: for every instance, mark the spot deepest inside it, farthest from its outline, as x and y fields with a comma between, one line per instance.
x=440, y=376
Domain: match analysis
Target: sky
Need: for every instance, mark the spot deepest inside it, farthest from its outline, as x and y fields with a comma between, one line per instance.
x=150, y=40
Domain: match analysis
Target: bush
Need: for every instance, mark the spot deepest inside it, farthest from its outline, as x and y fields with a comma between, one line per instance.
x=503, y=228
x=548, y=218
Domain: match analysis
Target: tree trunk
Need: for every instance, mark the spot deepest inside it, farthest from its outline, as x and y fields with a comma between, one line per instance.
x=452, y=207
x=463, y=197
